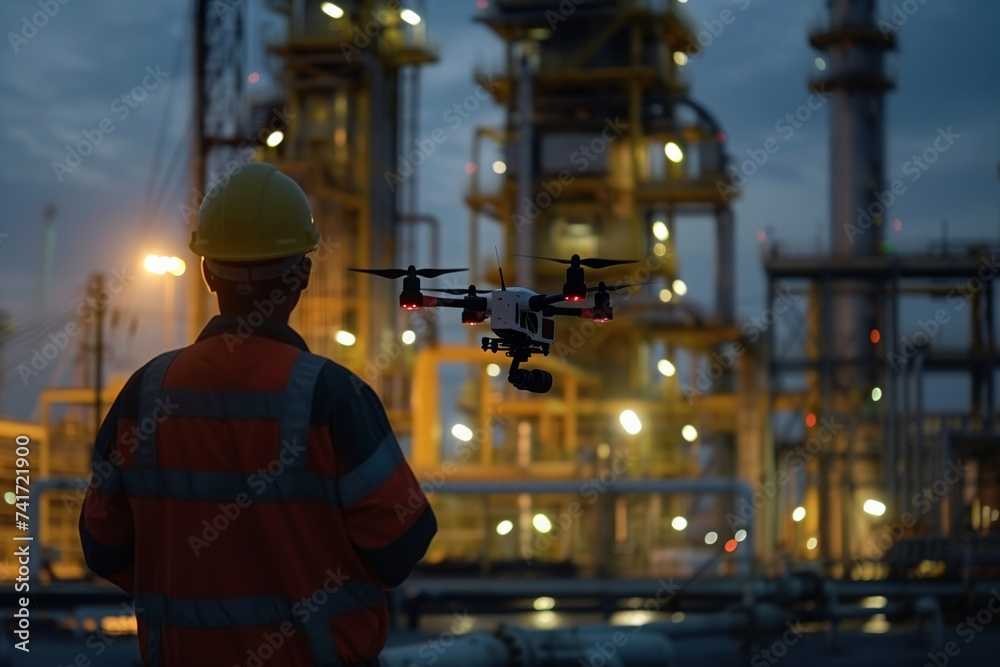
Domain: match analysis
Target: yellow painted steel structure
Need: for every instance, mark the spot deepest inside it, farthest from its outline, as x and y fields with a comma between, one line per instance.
x=623, y=62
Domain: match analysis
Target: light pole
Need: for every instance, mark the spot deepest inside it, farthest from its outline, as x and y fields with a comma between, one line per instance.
x=174, y=266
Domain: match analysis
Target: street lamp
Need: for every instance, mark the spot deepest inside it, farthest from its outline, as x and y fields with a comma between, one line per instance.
x=175, y=266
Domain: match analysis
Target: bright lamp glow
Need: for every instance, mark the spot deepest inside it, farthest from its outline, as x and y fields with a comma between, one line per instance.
x=410, y=16
x=660, y=231
x=630, y=422
x=711, y=537
x=680, y=287
x=499, y=167
x=666, y=295
x=673, y=152
x=275, y=138
x=331, y=10
x=740, y=535
x=876, y=394
x=505, y=527
x=9, y=497
x=680, y=58
x=798, y=514
x=409, y=337
x=462, y=432
x=493, y=370
x=175, y=266
x=541, y=523
x=665, y=367
x=874, y=507
x=345, y=338
x=689, y=433
x=679, y=523
x=161, y=265
x=155, y=264
x=544, y=603
x=811, y=543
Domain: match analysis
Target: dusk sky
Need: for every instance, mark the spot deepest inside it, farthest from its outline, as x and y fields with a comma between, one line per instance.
x=64, y=81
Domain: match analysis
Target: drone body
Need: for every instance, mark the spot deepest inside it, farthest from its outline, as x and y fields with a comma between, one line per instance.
x=511, y=316
x=521, y=319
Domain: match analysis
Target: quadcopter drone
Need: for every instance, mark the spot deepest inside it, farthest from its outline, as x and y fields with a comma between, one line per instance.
x=521, y=319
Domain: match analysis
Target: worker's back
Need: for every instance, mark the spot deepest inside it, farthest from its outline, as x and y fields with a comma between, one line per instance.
x=264, y=484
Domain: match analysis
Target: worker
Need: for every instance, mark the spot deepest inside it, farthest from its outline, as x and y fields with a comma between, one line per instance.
x=250, y=495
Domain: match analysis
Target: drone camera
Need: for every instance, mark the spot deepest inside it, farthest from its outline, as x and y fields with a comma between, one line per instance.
x=535, y=380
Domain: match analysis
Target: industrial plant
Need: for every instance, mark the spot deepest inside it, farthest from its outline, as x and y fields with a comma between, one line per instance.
x=621, y=474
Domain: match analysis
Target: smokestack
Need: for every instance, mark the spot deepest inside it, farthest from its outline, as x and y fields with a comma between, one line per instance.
x=855, y=46
x=856, y=84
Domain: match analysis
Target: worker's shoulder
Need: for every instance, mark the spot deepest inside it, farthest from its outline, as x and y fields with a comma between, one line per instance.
x=134, y=383
x=338, y=380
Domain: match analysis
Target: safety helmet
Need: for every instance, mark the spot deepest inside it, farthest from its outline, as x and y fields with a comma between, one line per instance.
x=258, y=214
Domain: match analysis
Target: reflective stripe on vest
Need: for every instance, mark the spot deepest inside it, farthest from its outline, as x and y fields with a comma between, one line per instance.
x=371, y=474
x=156, y=609
x=225, y=486
x=152, y=384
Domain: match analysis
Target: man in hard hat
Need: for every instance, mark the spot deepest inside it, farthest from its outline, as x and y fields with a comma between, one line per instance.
x=251, y=496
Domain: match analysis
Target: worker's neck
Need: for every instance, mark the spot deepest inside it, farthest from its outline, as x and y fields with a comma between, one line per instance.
x=252, y=314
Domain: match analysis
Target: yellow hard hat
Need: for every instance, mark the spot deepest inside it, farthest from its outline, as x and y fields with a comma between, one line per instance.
x=258, y=214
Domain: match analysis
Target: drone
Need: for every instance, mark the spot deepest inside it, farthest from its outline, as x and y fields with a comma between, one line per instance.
x=521, y=319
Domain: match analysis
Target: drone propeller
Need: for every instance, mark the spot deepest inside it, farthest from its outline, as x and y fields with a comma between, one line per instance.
x=458, y=290
x=601, y=287
x=411, y=271
x=590, y=262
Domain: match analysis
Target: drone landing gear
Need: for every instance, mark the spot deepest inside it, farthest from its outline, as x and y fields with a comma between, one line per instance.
x=534, y=380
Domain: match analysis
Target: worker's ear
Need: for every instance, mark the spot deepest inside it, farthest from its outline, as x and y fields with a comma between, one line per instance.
x=209, y=278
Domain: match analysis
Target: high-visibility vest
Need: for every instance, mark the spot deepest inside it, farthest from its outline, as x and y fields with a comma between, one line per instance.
x=254, y=500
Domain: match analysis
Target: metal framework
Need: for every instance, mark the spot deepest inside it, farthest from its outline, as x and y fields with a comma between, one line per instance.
x=592, y=103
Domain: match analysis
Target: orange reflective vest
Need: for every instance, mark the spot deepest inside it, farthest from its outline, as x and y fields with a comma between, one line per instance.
x=253, y=499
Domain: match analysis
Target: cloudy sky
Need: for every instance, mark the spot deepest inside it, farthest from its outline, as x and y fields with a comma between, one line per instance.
x=65, y=81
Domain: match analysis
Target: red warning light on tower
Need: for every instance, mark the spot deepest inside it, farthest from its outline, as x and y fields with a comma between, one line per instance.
x=731, y=545
x=875, y=336
x=810, y=420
